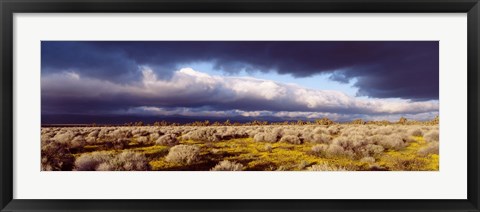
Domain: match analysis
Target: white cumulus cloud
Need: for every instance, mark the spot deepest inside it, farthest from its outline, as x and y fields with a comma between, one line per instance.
x=246, y=96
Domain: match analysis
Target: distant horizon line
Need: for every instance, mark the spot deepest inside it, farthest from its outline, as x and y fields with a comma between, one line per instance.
x=227, y=122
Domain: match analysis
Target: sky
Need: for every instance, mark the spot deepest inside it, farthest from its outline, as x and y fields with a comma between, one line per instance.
x=340, y=80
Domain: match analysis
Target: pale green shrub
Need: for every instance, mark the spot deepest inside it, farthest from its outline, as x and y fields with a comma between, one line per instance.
x=335, y=150
x=56, y=157
x=368, y=160
x=91, y=161
x=320, y=149
x=184, y=154
x=125, y=161
x=228, y=166
x=293, y=139
x=432, y=136
x=326, y=167
x=431, y=148
x=266, y=137
x=104, y=161
x=168, y=140
x=415, y=132
x=321, y=138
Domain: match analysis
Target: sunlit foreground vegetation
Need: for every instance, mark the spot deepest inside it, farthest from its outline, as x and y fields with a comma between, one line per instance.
x=308, y=147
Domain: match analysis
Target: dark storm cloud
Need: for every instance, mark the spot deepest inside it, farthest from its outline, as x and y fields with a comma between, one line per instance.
x=88, y=59
x=187, y=88
x=400, y=69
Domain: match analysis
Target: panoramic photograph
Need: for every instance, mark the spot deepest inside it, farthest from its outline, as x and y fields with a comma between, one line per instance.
x=240, y=106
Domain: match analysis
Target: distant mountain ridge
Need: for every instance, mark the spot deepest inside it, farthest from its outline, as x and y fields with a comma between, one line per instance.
x=79, y=119
x=47, y=119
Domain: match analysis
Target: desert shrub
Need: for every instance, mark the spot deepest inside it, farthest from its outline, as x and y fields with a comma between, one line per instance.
x=142, y=140
x=407, y=164
x=139, y=132
x=351, y=131
x=125, y=161
x=356, y=141
x=177, y=131
x=102, y=133
x=306, y=136
x=47, y=136
x=291, y=139
x=358, y=121
x=324, y=121
x=368, y=130
x=119, y=143
x=368, y=160
x=154, y=136
x=64, y=137
x=227, y=166
x=119, y=134
x=352, y=142
x=56, y=157
x=69, y=139
x=184, y=154
x=333, y=129
x=276, y=132
x=293, y=132
x=91, y=161
x=408, y=139
x=321, y=138
x=402, y=120
x=136, y=131
x=93, y=134
x=415, y=132
x=371, y=150
x=103, y=161
x=320, y=149
x=335, y=150
x=90, y=140
x=233, y=133
x=341, y=141
x=252, y=132
x=395, y=142
x=432, y=136
x=320, y=130
x=77, y=142
x=207, y=134
x=168, y=140
x=326, y=167
x=383, y=130
x=259, y=137
x=45, y=130
x=431, y=148
x=266, y=137
x=271, y=137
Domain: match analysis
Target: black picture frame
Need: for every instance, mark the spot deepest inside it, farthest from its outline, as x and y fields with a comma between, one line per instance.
x=9, y=7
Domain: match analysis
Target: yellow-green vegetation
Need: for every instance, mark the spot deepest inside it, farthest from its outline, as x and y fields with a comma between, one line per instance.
x=257, y=156
x=408, y=159
x=345, y=147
